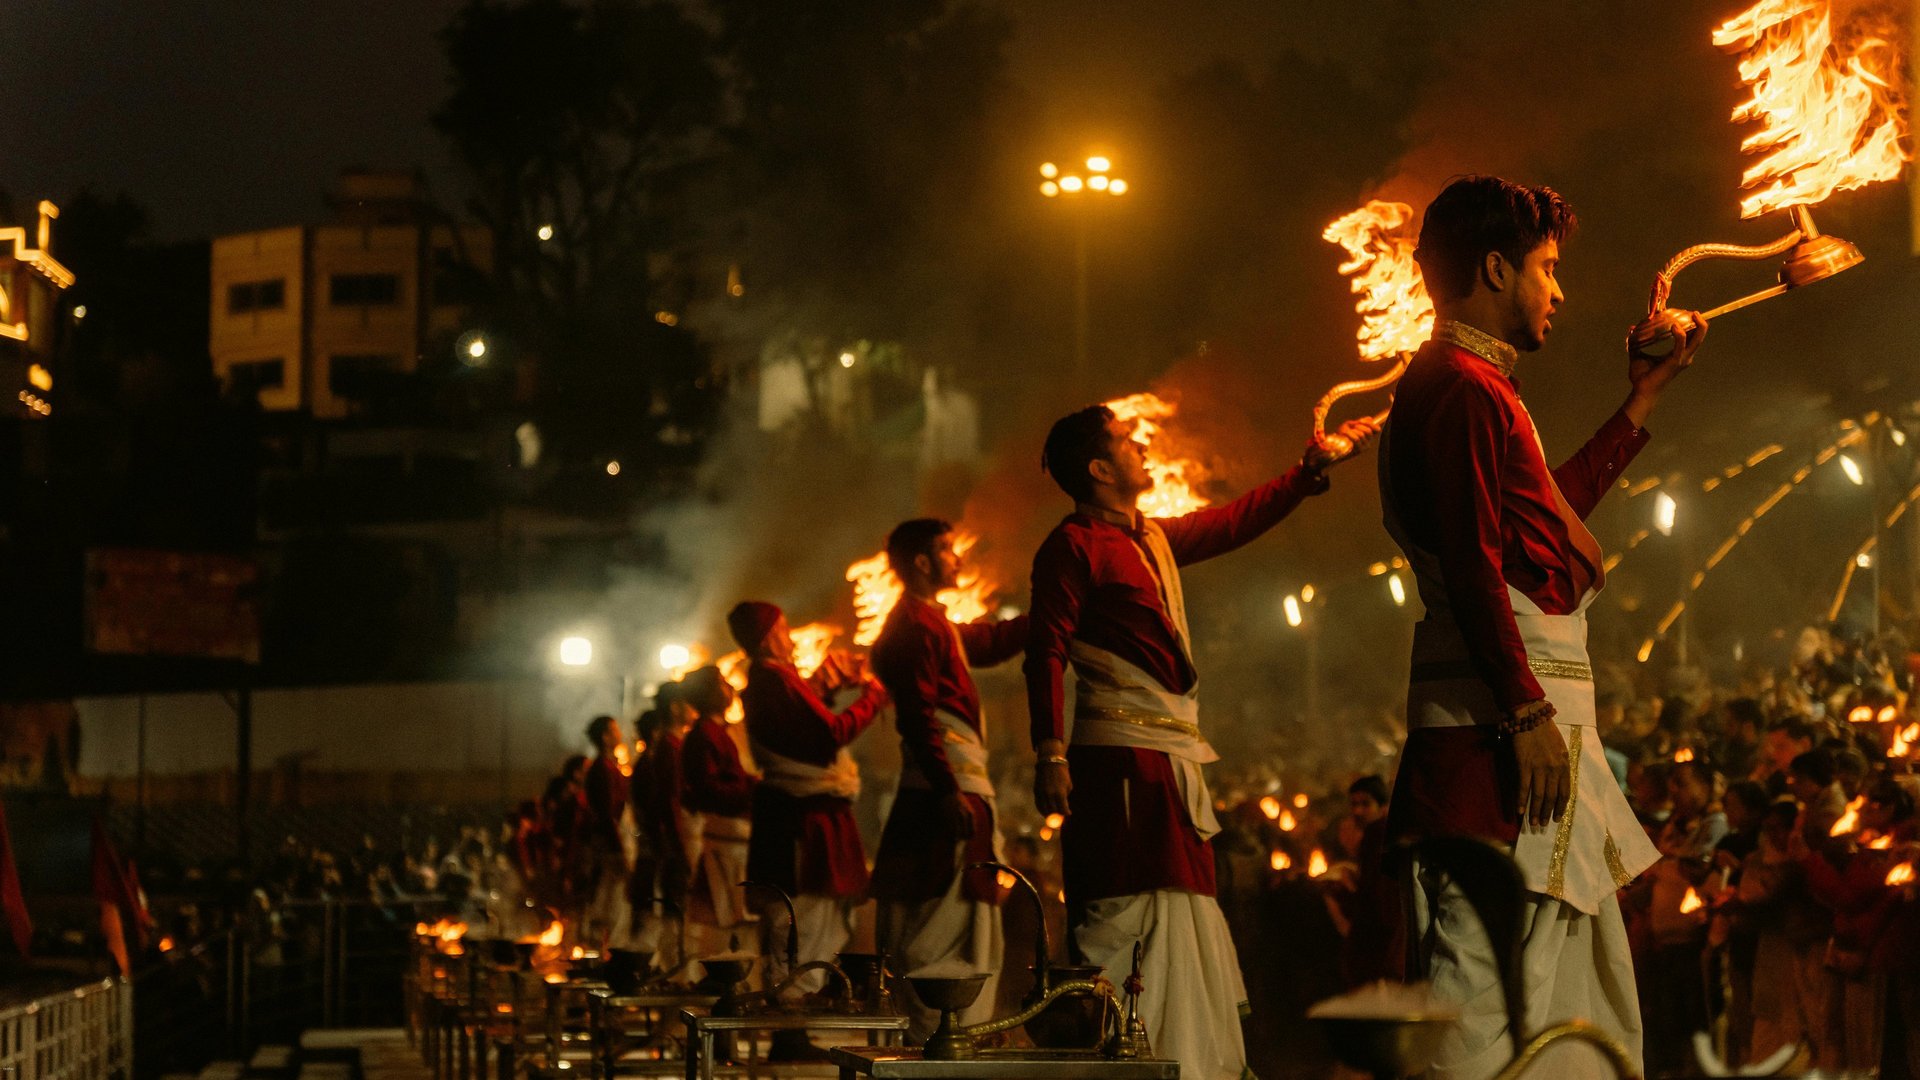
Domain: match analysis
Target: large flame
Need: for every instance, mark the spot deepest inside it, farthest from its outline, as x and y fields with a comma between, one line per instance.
x=1832, y=113
x=810, y=644
x=1174, y=478
x=876, y=588
x=1396, y=314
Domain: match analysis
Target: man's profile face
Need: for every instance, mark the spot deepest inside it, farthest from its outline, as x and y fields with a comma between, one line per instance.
x=1534, y=295
x=943, y=566
x=1127, y=459
x=1364, y=808
x=610, y=737
x=780, y=641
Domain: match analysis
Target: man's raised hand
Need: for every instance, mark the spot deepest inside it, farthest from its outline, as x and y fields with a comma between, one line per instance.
x=1337, y=446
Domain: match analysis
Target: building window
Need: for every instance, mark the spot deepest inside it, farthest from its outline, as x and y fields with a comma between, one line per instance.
x=256, y=296
x=361, y=376
x=361, y=290
x=254, y=376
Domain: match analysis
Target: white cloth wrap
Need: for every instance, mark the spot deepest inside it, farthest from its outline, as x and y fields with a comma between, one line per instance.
x=1192, y=995
x=949, y=936
x=802, y=781
x=965, y=752
x=1108, y=689
x=720, y=860
x=1599, y=846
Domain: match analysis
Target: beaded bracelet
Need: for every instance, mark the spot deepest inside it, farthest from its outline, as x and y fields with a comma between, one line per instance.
x=1514, y=723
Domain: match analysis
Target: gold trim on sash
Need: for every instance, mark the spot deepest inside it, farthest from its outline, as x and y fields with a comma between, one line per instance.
x=1562, y=840
x=1140, y=719
x=1614, y=866
x=1441, y=670
x=1560, y=669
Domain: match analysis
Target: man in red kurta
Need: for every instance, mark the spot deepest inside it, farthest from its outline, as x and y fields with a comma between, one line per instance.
x=805, y=839
x=1137, y=840
x=608, y=835
x=935, y=918
x=717, y=791
x=1500, y=711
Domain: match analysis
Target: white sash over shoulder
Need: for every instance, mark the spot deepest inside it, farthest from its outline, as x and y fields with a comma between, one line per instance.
x=801, y=780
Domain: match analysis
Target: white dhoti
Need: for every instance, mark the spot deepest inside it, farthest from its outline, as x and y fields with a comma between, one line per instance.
x=1575, y=965
x=1192, y=997
x=825, y=923
x=947, y=937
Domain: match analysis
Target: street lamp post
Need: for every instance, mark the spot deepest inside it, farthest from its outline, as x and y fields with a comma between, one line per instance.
x=1078, y=189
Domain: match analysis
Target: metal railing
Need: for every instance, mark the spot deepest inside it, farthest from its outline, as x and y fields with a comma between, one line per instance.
x=80, y=1034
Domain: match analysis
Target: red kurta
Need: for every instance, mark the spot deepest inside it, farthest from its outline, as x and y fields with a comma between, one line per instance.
x=606, y=792
x=922, y=659
x=712, y=778
x=1093, y=580
x=1463, y=473
x=657, y=794
x=804, y=844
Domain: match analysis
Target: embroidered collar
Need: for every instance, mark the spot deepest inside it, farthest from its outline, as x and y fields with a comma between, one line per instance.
x=1131, y=523
x=1478, y=342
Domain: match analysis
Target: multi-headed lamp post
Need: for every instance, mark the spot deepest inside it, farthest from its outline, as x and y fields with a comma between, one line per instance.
x=1077, y=189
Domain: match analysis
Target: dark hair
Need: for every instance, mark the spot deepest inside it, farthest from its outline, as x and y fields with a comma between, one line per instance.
x=1750, y=794
x=1700, y=768
x=1796, y=729
x=1478, y=214
x=573, y=764
x=1370, y=784
x=1889, y=792
x=707, y=691
x=1815, y=765
x=1783, y=811
x=1076, y=440
x=1745, y=710
x=597, y=727
x=916, y=537
x=1848, y=761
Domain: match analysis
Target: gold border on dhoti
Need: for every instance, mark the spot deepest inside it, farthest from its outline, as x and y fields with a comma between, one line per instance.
x=1442, y=670
x=1139, y=719
x=1563, y=839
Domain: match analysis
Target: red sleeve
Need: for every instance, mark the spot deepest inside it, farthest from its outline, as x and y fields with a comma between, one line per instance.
x=988, y=643
x=1848, y=892
x=1465, y=448
x=1219, y=529
x=806, y=724
x=1586, y=476
x=907, y=662
x=1061, y=578
x=724, y=786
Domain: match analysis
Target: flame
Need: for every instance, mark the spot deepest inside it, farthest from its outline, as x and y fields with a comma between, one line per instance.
x=1888, y=714
x=1396, y=315
x=1174, y=478
x=1279, y=860
x=1685, y=753
x=1901, y=745
x=166, y=944
x=1054, y=821
x=551, y=937
x=1300, y=801
x=1901, y=874
x=623, y=759
x=1691, y=902
x=1831, y=114
x=1316, y=863
x=1004, y=879
x=1860, y=714
x=1880, y=843
x=1270, y=806
x=555, y=978
x=810, y=646
x=1850, y=820
x=1287, y=822
x=876, y=589
x=579, y=953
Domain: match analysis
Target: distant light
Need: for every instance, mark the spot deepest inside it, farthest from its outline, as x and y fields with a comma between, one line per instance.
x=477, y=348
x=1071, y=183
x=576, y=651
x=1899, y=436
x=1097, y=182
x=1049, y=188
x=79, y=312
x=666, y=318
x=1307, y=594
x=544, y=232
x=40, y=378
x=1852, y=469
x=1117, y=187
x=1646, y=651
x=1292, y=606
x=847, y=359
x=613, y=468
x=1300, y=800
x=1049, y=170
x=1098, y=164
x=1665, y=510
x=675, y=657
x=1398, y=590
x=1863, y=560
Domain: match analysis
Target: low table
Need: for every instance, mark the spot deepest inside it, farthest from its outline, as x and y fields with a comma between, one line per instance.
x=702, y=1028
x=897, y=1061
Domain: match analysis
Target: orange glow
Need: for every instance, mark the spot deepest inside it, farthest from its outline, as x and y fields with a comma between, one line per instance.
x=166, y=944
x=1279, y=861
x=623, y=759
x=1860, y=714
x=876, y=589
x=1054, y=821
x=1888, y=714
x=1287, y=822
x=1174, y=478
x=1901, y=744
x=446, y=931
x=1300, y=801
x=1005, y=879
x=555, y=978
x=1685, y=753
x=1850, y=820
x=1830, y=113
x=1901, y=874
x=1880, y=843
x=1316, y=863
x=504, y=1008
x=551, y=937
x=1270, y=806
x=1396, y=314
x=810, y=644
x=1691, y=902
x=579, y=953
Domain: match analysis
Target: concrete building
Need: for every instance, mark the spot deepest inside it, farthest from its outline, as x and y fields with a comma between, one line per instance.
x=312, y=318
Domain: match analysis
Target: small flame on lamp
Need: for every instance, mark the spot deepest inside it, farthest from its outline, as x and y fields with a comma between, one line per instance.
x=1005, y=880
x=1270, y=806
x=1880, y=843
x=1287, y=822
x=1888, y=714
x=1300, y=801
x=1691, y=902
x=1850, y=820
x=1685, y=753
x=166, y=944
x=1901, y=874
x=551, y=937
x=1316, y=863
x=579, y=953
x=1054, y=821
x=1279, y=860
x=555, y=978
x=1860, y=714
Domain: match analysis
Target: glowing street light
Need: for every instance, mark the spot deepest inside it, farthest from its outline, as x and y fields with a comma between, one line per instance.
x=674, y=657
x=1307, y=594
x=1664, y=512
x=1071, y=184
x=1397, y=590
x=1098, y=181
x=544, y=232
x=613, y=468
x=1098, y=164
x=1049, y=170
x=1292, y=606
x=576, y=651
x=1852, y=469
